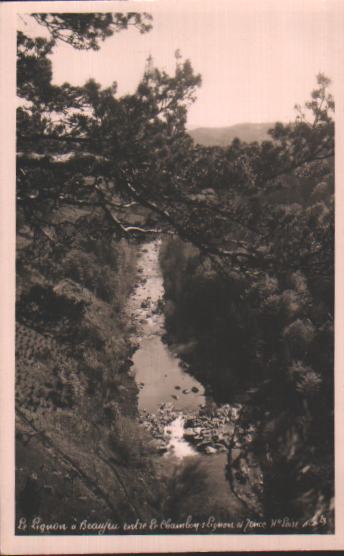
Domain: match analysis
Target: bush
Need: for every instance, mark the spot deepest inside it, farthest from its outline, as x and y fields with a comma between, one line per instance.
x=298, y=336
x=85, y=269
x=42, y=308
x=129, y=441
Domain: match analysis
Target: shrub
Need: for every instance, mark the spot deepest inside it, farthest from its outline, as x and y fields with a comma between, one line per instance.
x=85, y=269
x=43, y=308
x=129, y=441
x=298, y=336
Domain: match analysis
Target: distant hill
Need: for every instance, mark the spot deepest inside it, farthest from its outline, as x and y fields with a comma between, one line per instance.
x=223, y=136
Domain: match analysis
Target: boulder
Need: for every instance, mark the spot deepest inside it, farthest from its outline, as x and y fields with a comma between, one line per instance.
x=220, y=447
x=235, y=454
x=160, y=447
x=210, y=450
x=189, y=433
x=190, y=422
x=203, y=445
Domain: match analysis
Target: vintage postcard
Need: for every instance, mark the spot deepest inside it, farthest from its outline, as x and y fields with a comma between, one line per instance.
x=170, y=174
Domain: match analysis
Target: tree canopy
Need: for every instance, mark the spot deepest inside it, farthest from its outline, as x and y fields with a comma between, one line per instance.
x=138, y=145
x=258, y=213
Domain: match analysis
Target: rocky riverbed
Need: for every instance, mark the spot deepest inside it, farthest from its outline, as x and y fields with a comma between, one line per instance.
x=208, y=431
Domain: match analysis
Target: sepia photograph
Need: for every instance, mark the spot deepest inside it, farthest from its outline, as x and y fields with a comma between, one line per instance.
x=174, y=269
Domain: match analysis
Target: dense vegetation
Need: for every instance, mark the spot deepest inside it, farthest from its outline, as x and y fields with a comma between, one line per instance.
x=251, y=292
x=267, y=321
x=262, y=324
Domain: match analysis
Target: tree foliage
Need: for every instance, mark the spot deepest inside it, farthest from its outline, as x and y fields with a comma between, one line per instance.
x=86, y=30
x=260, y=214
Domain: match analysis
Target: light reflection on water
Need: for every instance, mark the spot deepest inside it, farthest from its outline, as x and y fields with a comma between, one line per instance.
x=158, y=372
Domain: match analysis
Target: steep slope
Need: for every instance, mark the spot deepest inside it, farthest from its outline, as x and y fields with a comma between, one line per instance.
x=77, y=440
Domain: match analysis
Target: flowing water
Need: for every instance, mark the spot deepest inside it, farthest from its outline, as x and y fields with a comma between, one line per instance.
x=169, y=397
x=168, y=393
x=159, y=372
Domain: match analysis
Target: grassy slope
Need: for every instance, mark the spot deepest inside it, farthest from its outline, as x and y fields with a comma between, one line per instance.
x=74, y=397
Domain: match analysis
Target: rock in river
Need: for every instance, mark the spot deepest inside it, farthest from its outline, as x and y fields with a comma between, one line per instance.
x=210, y=450
x=189, y=433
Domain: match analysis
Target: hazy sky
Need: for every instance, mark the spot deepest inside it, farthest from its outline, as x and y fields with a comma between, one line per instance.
x=256, y=58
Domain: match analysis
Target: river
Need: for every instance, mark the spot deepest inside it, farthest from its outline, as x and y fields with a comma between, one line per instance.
x=174, y=406
x=167, y=391
x=163, y=383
